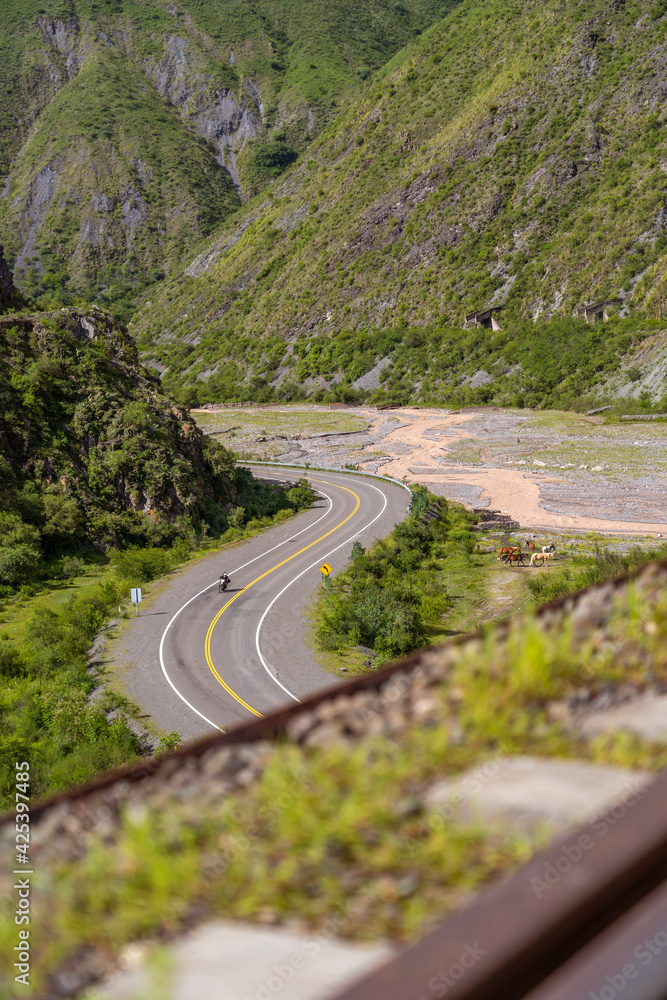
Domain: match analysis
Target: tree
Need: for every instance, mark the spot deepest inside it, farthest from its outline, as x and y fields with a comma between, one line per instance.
x=64, y=522
x=20, y=552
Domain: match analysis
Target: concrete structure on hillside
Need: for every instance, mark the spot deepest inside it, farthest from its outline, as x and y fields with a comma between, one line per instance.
x=487, y=319
x=599, y=311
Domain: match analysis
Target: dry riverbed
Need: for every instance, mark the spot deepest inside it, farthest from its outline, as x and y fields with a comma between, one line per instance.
x=548, y=470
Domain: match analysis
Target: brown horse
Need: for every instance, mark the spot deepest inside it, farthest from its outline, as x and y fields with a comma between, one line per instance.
x=513, y=558
x=530, y=546
x=507, y=550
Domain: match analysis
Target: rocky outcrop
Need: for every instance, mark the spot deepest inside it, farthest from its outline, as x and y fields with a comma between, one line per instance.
x=214, y=110
x=65, y=38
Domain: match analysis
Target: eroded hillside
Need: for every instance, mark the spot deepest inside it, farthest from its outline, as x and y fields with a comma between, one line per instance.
x=131, y=130
x=514, y=156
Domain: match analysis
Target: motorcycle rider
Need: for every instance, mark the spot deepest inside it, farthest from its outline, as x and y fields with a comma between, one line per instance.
x=224, y=579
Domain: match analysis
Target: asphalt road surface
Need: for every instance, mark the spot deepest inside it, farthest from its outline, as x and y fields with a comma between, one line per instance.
x=233, y=656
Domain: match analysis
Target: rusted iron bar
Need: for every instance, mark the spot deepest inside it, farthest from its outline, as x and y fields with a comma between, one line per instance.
x=517, y=934
x=630, y=958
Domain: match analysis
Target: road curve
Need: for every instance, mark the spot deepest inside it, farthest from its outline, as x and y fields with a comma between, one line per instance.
x=234, y=656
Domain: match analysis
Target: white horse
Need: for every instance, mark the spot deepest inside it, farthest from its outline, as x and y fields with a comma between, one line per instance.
x=549, y=548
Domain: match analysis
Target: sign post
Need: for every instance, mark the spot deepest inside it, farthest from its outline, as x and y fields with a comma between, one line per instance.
x=135, y=597
x=325, y=569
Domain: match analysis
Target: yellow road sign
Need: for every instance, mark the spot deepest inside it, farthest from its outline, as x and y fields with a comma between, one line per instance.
x=326, y=569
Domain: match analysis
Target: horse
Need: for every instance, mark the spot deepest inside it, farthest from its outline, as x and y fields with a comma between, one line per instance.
x=549, y=548
x=507, y=550
x=541, y=557
x=514, y=557
x=530, y=546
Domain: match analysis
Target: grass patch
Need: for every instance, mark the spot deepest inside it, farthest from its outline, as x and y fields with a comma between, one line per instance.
x=585, y=570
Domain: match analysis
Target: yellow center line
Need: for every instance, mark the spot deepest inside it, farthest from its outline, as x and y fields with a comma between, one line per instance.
x=209, y=634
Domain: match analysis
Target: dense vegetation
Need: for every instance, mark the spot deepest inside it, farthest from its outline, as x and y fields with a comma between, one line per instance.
x=562, y=364
x=93, y=453
x=125, y=125
x=512, y=155
x=393, y=597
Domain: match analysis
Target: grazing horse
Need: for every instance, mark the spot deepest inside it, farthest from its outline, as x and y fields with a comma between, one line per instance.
x=513, y=558
x=549, y=548
x=541, y=557
x=507, y=550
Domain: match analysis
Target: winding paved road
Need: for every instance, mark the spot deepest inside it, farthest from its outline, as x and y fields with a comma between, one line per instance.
x=226, y=658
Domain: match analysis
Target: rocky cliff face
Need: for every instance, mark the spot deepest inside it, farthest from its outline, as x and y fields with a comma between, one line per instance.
x=208, y=104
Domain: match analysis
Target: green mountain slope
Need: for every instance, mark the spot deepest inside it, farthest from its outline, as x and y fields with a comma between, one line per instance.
x=514, y=155
x=130, y=129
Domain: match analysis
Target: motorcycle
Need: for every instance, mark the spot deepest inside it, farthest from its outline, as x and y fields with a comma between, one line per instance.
x=223, y=584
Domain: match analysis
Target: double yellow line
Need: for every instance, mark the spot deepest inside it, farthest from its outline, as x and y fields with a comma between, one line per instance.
x=209, y=634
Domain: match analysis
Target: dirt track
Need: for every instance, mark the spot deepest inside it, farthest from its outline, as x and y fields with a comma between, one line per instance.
x=512, y=491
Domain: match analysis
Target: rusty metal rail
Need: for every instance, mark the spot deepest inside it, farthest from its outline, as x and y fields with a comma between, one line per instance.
x=570, y=920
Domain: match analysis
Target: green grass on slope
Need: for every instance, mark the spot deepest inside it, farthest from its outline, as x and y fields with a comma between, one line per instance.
x=511, y=154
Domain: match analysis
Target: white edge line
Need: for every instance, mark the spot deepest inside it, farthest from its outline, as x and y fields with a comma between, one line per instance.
x=195, y=596
x=325, y=556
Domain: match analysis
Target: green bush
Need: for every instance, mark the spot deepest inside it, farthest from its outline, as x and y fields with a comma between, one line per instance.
x=385, y=618
x=273, y=157
x=142, y=565
x=392, y=595
x=302, y=495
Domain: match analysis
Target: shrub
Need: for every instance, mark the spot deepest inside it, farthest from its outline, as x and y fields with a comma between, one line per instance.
x=72, y=567
x=271, y=158
x=142, y=565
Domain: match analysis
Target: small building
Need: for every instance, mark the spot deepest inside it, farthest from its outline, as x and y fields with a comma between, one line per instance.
x=599, y=311
x=487, y=319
